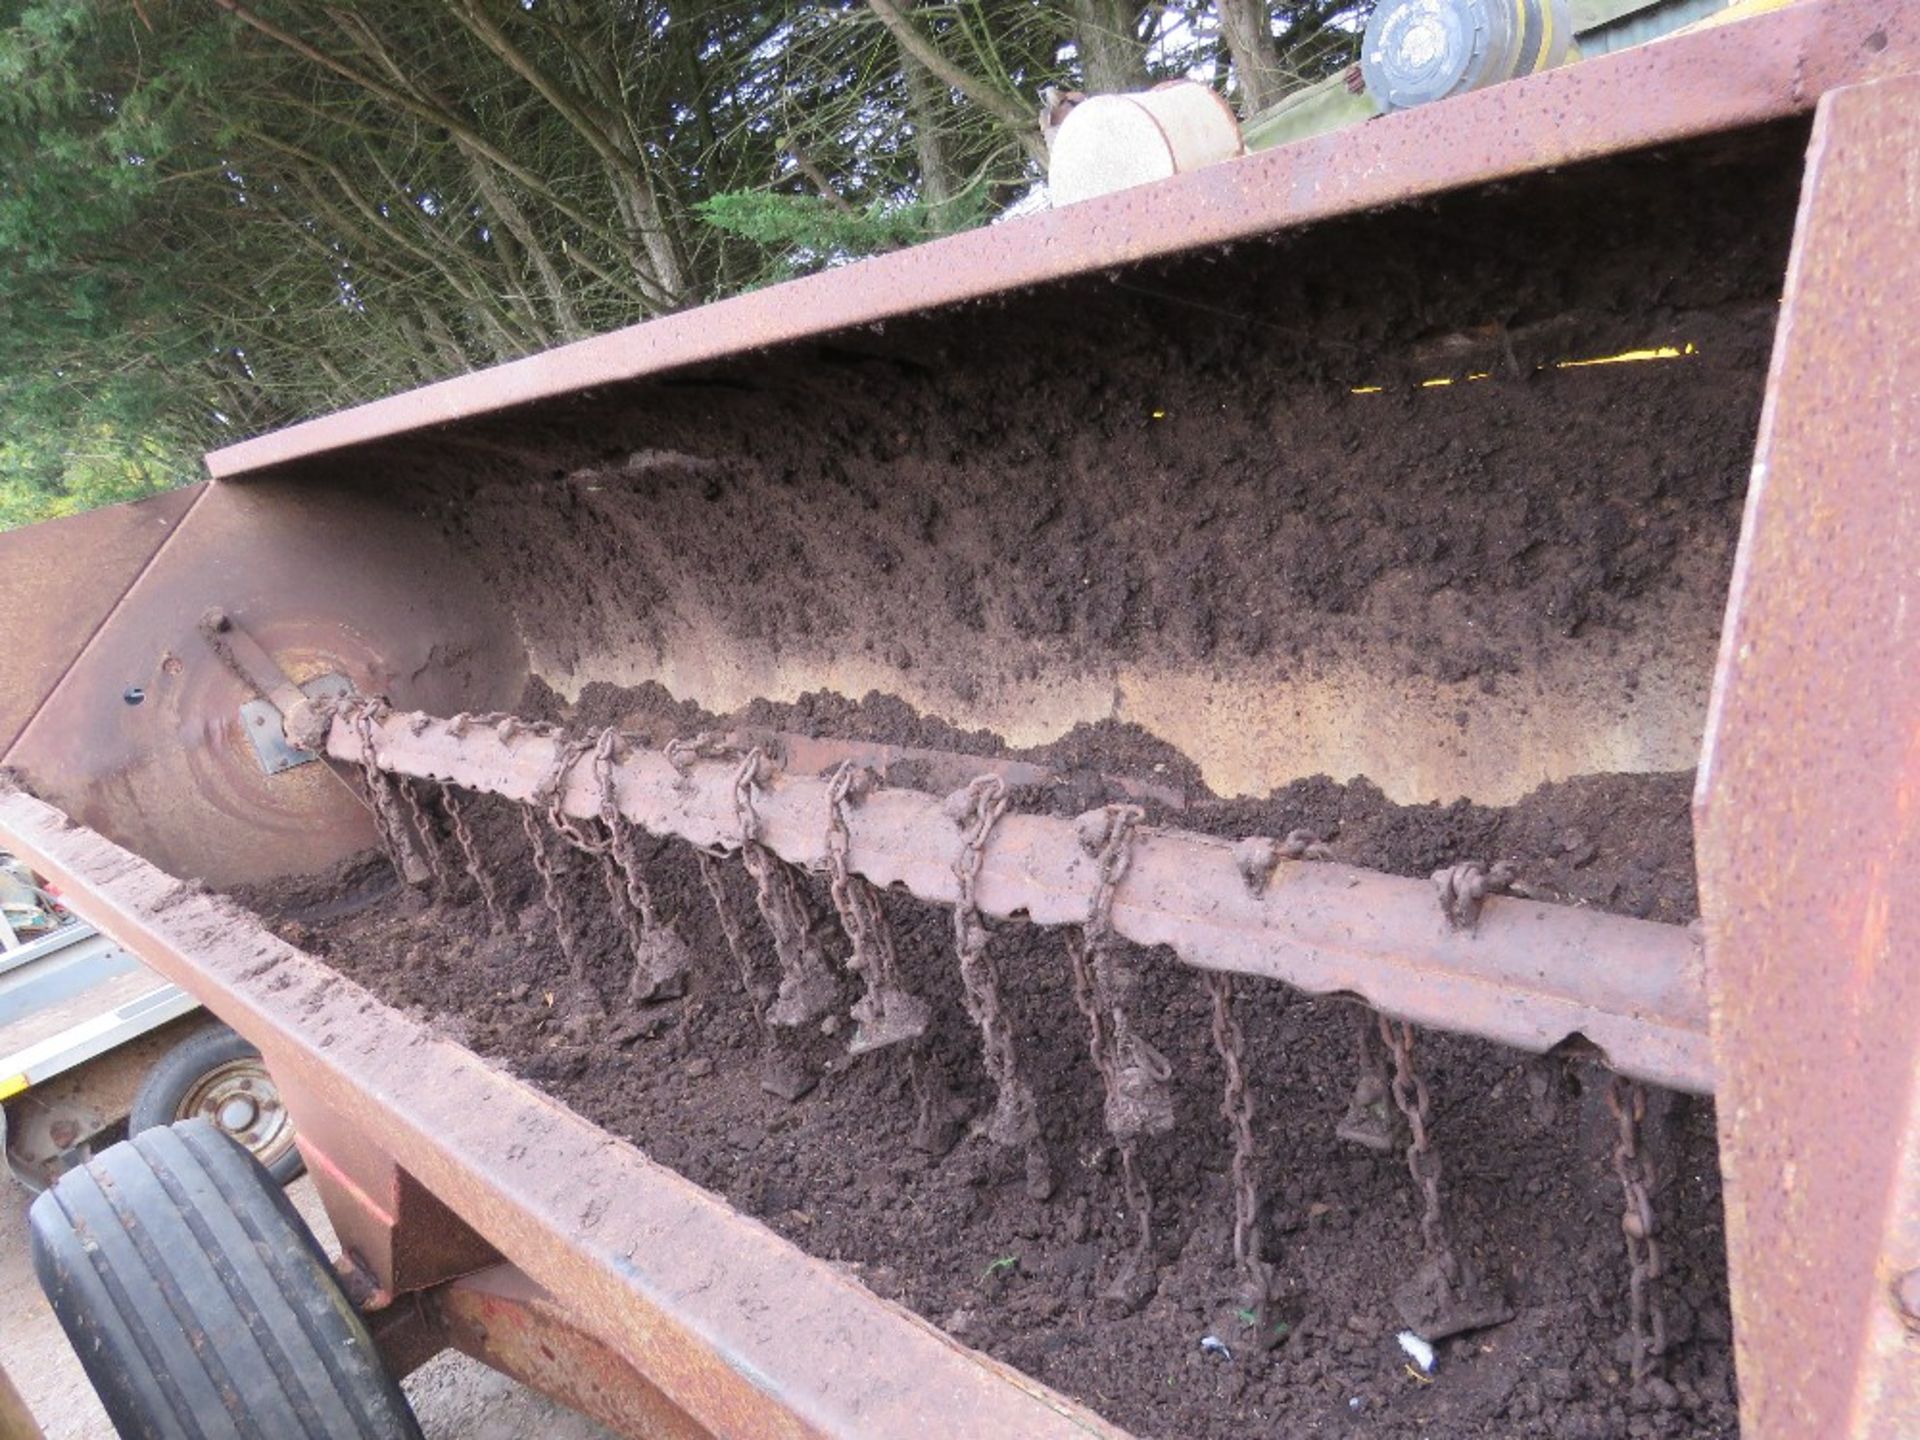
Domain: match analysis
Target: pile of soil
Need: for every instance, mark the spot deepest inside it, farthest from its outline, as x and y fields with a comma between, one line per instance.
x=1342, y=464
x=1337, y=472
x=1525, y=1141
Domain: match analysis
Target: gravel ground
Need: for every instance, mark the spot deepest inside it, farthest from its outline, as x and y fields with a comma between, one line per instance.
x=453, y=1395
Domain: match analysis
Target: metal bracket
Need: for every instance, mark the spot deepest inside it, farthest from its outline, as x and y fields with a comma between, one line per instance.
x=266, y=730
x=283, y=709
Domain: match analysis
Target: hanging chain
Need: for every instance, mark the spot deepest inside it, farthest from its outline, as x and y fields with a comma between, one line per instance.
x=661, y=959
x=1370, y=1116
x=1016, y=1115
x=1101, y=1046
x=550, y=889
x=1627, y=1099
x=807, y=987
x=1236, y=1108
x=1141, y=1102
x=388, y=822
x=734, y=931
x=1135, y=1076
x=887, y=1013
x=547, y=800
x=681, y=753
x=410, y=791
x=1423, y=1163
x=470, y=856
x=552, y=795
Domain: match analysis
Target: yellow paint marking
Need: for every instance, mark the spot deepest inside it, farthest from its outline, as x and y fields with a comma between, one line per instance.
x=1631, y=357
x=1625, y=357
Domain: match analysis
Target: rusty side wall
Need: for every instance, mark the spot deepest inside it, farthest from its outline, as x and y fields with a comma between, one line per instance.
x=59, y=581
x=1211, y=496
x=1808, y=816
x=326, y=579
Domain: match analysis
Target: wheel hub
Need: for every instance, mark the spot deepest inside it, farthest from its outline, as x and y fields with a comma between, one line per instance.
x=242, y=1101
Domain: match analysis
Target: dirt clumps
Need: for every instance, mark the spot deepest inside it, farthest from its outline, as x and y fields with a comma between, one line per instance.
x=1360, y=467
x=1525, y=1141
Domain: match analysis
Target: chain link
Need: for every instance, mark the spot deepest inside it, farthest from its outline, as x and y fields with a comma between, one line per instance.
x=754, y=769
x=1627, y=1100
x=1236, y=1108
x=1410, y=1097
x=1016, y=1114
x=388, y=823
x=470, y=856
x=661, y=959
x=807, y=987
x=887, y=1013
x=1464, y=888
x=1134, y=1075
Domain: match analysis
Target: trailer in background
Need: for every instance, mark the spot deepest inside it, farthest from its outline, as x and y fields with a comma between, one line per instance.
x=93, y=1043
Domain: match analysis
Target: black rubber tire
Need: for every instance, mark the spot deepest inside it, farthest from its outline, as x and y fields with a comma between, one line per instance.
x=178, y=1072
x=199, y=1302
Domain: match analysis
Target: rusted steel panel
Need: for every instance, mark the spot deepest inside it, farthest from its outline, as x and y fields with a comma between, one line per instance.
x=59, y=580
x=743, y=1333
x=396, y=1236
x=501, y=1317
x=1528, y=974
x=1808, y=812
x=1723, y=79
x=325, y=579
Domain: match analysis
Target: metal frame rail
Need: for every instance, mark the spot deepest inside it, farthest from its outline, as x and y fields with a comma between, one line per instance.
x=547, y=1247
x=1527, y=974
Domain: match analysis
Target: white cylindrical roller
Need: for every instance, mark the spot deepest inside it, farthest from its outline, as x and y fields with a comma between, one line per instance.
x=1113, y=142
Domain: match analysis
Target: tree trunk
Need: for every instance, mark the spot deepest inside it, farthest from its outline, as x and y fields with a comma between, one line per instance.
x=1112, y=55
x=1247, y=27
x=927, y=106
x=514, y=223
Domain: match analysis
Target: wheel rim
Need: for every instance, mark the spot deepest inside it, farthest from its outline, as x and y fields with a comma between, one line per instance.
x=244, y=1104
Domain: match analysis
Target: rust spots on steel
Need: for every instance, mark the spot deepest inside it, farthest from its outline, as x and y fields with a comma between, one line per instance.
x=60, y=581
x=1530, y=974
x=738, y=1331
x=1808, y=811
x=323, y=581
x=500, y=1317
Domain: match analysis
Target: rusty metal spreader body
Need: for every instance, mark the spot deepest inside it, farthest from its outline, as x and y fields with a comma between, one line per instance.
x=385, y=552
